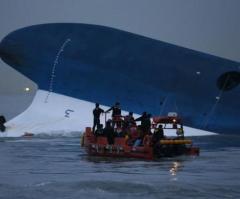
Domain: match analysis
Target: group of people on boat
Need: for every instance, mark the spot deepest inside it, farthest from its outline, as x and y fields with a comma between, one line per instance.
x=126, y=126
x=123, y=136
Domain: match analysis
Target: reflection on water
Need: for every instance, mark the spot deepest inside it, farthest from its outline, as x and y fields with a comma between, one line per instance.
x=174, y=169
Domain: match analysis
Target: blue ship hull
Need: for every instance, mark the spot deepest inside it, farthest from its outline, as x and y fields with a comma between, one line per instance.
x=101, y=64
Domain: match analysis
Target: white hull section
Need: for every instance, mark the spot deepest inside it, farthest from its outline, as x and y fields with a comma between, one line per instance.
x=62, y=115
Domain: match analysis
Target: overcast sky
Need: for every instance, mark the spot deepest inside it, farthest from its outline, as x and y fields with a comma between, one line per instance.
x=211, y=26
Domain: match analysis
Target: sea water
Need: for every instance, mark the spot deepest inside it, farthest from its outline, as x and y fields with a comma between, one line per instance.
x=57, y=167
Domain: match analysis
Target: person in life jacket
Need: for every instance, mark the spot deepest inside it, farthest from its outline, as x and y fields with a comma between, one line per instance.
x=2, y=121
x=96, y=116
x=116, y=113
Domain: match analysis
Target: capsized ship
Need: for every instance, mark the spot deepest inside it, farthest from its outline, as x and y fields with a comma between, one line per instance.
x=96, y=63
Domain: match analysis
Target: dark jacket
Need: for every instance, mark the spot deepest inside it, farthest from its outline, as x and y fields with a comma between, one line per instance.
x=157, y=136
x=145, y=122
x=97, y=112
x=115, y=111
x=109, y=132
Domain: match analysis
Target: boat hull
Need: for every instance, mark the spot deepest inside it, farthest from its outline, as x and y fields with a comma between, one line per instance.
x=98, y=146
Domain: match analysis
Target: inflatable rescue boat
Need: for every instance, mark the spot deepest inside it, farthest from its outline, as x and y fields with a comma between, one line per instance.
x=124, y=145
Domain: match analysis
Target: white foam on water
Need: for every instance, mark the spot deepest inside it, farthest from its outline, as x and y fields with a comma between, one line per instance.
x=62, y=115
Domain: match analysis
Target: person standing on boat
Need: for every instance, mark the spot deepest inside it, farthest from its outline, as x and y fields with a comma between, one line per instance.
x=142, y=118
x=116, y=113
x=96, y=116
x=145, y=122
x=158, y=135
